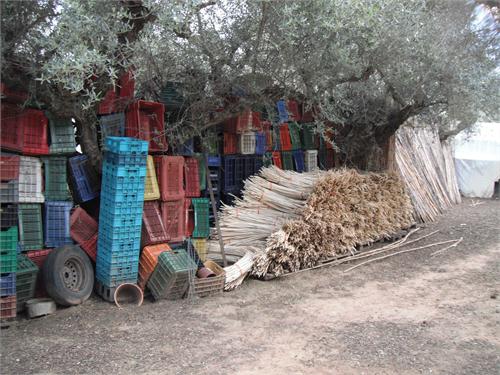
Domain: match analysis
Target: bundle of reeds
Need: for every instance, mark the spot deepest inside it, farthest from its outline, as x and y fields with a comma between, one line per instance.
x=345, y=209
x=426, y=166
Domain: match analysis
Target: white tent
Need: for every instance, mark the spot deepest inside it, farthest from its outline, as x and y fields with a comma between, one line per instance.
x=477, y=160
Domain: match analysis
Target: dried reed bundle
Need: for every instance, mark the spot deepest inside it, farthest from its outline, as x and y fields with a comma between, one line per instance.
x=236, y=273
x=428, y=171
x=345, y=209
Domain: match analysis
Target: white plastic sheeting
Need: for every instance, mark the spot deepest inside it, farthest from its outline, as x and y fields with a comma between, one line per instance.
x=477, y=161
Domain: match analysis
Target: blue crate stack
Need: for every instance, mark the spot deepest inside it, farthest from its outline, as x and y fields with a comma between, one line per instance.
x=120, y=216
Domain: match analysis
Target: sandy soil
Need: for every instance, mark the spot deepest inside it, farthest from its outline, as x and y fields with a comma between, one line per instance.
x=408, y=314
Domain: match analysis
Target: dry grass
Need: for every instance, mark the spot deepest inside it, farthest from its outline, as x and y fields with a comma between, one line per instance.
x=345, y=209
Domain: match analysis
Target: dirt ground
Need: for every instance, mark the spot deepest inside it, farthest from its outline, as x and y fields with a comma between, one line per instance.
x=408, y=314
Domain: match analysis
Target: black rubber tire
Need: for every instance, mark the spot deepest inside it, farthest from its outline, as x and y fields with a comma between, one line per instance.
x=68, y=275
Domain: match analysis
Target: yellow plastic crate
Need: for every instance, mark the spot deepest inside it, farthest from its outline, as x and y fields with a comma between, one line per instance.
x=151, y=189
x=200, y=244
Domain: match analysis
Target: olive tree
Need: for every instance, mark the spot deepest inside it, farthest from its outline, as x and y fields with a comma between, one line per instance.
x=363, y=67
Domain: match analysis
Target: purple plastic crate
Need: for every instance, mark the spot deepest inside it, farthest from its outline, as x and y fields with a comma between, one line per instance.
x=57, y=223
x=260, y=143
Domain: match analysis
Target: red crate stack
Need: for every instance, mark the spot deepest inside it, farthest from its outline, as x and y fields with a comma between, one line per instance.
x=108, y=103
x=245, y=121
x=276, y=155
x=24, y=130
x=189, y=217
x=286, y=142
x=230, y=144
x=307, y=115
x=174, y=219
x=170, y=173
x=38, y=256
x=153, y=230
x=293, y=110
x=35, y=128
x=191, y=178
x=9, y=167
x=83, y=229
x=144, y=120
x=11, y=132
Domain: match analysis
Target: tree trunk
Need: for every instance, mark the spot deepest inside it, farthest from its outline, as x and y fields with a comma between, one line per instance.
x=87, y=131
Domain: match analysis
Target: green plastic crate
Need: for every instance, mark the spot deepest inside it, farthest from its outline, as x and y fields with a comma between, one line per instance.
x=201, y=217
x=172, y=274
x=287, y=160
x=30, y=226
x=26, y=275
x=308, y=137
x=294, y=130
x=62, y=135
x=201, y=171
x=8, y=250
x=56, y=181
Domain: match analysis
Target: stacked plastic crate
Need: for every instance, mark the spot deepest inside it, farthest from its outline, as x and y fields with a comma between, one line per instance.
x=58, y=200
x=120, y=216
x=24, y=133
x=245, y=141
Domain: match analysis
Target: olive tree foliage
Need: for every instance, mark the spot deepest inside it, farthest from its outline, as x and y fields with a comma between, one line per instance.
x=363, y=67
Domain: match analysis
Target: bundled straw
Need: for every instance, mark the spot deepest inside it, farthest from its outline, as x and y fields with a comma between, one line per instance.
x=426, y=166
x=345, y=209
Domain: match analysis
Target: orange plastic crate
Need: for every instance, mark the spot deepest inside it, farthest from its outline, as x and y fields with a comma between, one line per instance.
x=170, y=174
x=148, y=262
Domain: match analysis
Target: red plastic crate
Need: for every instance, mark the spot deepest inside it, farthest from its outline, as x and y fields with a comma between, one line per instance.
x=90, y=247
x=307, y=115
x=230, y=125
x=127, y=86
x=329, y=135
x=191, y=178
x=247, y=121
x=145, y=120
x=153, y=230
x=174, y=219
x=35, y=130
x=11, y=131
x=9, y=167
x=230, y=144
x=8, y=307
x=82, y=226
x=38, y=256
x=13, y=96
x=189, y=217
x=170, y=172
x=330, y=159
x=286, y=142
x=293, y=110
x=108, y=103
x=276, y=155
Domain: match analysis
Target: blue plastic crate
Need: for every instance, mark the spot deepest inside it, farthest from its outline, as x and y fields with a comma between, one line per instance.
x=8, y=285
x=259, y=162
x=127, y=171
x=249, y=166
x=57, y=223
x=282, y=111
x=118, y=275
x=118, y=252
x=125, y=160
x=113, y=219
x=85, y=182
x=298, y=160
x=229, y=172
x=214, y=161
x=260, y=143
x=122, y=233
x=239, y=169
x=126, y=145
